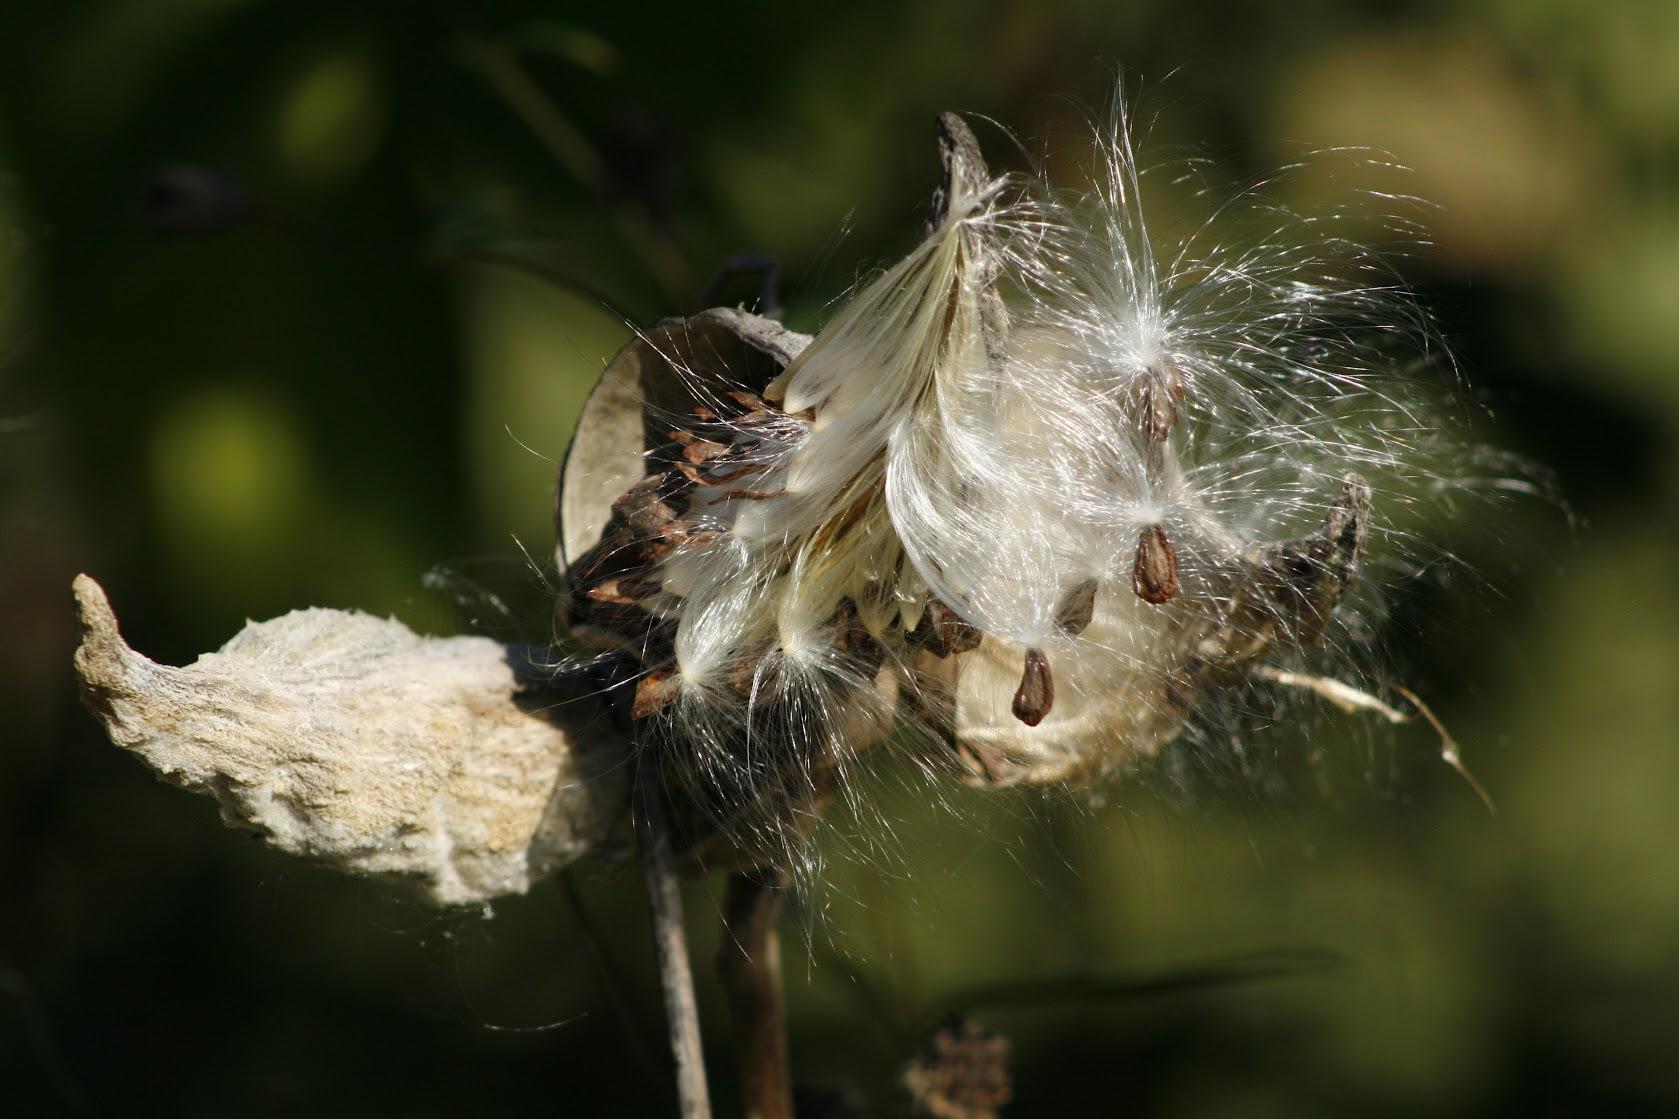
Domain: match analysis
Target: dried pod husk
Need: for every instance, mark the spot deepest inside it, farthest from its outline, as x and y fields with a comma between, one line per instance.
x=1278, y=600
x=623, y=484
x=661, y=377
x=681, y=396
x=466, y=767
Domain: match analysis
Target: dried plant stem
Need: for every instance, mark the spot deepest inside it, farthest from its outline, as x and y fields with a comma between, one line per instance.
x=676, y=972
x=612, y=982
x=749, y=964
x=1351, y=700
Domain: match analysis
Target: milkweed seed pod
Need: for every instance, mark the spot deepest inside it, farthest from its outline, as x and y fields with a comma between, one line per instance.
x=1036, y=495
x=462, y=766
x=1036, y=492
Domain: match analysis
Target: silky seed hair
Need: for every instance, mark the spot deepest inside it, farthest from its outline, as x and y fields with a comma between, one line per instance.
x=1034, y=494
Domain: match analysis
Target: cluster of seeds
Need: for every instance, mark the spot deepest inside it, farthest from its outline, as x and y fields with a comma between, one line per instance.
x=1031, y=495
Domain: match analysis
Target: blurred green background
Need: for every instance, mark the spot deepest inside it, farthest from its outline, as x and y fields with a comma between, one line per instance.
x=274, y=332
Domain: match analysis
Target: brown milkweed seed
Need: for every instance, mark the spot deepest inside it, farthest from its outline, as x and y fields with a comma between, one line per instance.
x=1036, y=694
x=1077, y=608
x=1155, y=575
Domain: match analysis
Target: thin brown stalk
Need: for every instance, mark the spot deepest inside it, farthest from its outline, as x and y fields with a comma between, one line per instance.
x=749, y=964
x=676, y=971
x=611, y=976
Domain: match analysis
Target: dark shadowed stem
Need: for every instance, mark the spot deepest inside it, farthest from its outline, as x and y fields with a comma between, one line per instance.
x=612, y=981
x=676, y=972
x=1251, y=967
x=749, y=964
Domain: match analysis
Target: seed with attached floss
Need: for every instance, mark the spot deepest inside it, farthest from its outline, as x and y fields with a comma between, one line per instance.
x=654, y=692
x=944, y=632
x=1157, y=401
x=1077, y=608
x=1155, y=575
x=1036, y=694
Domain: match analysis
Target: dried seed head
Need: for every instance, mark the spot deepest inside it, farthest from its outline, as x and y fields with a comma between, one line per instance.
x=954, y=482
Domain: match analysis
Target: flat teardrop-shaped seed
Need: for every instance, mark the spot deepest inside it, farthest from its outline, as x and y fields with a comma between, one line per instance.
x=1155, y=575
x=654, y=692
x=1159, y=412
x=646, y=507
x=680, y=534
x=1036, y=694
x=1157, y=401
x=944, y=632
x=612, y=593
x=1077, y=608
x=749, y=401
x=697, y=449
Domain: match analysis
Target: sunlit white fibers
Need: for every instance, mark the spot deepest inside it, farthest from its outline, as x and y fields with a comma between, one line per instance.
x=1071, y=435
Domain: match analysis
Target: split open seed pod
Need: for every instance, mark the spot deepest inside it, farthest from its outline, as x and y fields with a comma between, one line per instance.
x=465, y=767
x=933, y=498
x=656, y=381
